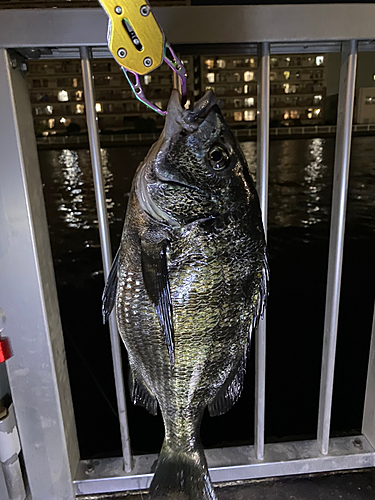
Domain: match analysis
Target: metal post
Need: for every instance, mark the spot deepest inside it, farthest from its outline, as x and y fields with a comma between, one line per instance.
x=336, y=245
x=93, y=131
x=262, y=187
x=37, y=371
x=368, y=425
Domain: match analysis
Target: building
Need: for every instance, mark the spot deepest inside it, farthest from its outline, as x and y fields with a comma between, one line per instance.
x=365, y=105
x=56, y=93
x=297, y=87
x=56, y=90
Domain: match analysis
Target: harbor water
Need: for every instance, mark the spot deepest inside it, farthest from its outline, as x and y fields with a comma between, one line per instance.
x=300, y=190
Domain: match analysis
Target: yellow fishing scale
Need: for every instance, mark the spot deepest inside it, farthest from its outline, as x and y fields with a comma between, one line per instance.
x=138, y=44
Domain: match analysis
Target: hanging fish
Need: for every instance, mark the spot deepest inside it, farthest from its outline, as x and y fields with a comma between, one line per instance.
x=189, y=282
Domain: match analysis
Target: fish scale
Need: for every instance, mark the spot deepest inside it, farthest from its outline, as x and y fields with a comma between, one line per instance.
x=191, y=282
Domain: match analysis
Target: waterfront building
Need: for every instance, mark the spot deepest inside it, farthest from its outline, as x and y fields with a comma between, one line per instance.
x=56, y=93
x=297, y=87
x=365, y=105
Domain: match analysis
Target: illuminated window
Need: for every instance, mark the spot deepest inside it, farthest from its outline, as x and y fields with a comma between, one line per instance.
x=287, y=60
x=319, y=60
x=63, y=96
x=252, y=62
x=238, y=90
x=220, y=63
x=246, y=89
x=98, y=107
x=373, y=76
x=75, y=82
x=159, y=104
x=209, y=63
x=289, y=89
x=369, y=100
x=286, y=115
x=237, y=115
x=62, y=120
x=248, y=76
x=286, y=75
x=317, y=112
x=248, y=102
x=211, y=77
x=80, y=108
x=79, y=95
x=317, y=99
x=249, y=115
x=309, y=113
x=49, y=110
x=51, y=123
x=147, y=79
x=294, y=114
x=274, y=62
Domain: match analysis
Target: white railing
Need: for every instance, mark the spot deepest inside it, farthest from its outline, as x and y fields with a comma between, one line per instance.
x=37, y=372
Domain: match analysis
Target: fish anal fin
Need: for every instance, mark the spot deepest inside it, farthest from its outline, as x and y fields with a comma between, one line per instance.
x=109, y=294
x=140, y=394
x=155, y=278
x=230, y=391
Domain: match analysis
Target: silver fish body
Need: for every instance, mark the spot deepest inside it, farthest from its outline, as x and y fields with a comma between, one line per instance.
x=189, y=283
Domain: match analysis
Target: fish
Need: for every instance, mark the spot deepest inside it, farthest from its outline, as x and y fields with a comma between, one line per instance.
x=189, y=284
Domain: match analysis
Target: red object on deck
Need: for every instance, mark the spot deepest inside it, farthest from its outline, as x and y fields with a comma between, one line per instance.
x=5, y=349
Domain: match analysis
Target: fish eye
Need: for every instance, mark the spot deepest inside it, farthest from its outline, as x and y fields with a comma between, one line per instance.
x=218, y=157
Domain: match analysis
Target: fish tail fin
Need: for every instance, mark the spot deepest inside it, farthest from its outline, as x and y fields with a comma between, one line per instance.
x=181, y=476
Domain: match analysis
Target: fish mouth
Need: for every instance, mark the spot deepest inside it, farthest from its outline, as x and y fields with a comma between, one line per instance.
x=179, y=118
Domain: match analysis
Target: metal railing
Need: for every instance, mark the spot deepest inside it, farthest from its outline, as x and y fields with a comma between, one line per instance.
x=37, y=372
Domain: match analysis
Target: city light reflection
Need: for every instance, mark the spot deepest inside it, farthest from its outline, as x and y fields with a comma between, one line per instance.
x=77, y=200
x=313, y=174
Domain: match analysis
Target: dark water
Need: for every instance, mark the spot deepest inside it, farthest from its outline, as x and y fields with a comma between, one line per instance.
x=299, y=214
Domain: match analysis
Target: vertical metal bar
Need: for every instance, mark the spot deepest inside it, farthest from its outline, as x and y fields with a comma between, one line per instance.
x=263, y=118
x=93, y=131
x=336, y=244
x=37, y=371
x=368, y=424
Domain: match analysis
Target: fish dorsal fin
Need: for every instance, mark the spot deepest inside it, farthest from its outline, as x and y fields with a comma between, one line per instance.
x=141, y=395
x=109, y=294
x=230, y=391
x=155, y=278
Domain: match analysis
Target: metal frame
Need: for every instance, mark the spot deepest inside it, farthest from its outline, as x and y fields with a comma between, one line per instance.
x=37, y=373
x=195, y=25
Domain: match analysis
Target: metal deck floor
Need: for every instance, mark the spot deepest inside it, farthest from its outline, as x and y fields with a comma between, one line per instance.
x=358, y=485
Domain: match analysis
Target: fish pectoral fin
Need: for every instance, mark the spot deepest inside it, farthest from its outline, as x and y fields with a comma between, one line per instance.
x=141, y=395
x=109, y=294
x=230, y=391
x=155, y=278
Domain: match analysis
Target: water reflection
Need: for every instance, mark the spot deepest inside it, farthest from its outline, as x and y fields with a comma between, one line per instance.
x=74, y=187
x=300, y=185
x=71, y=205
x=314, y=173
